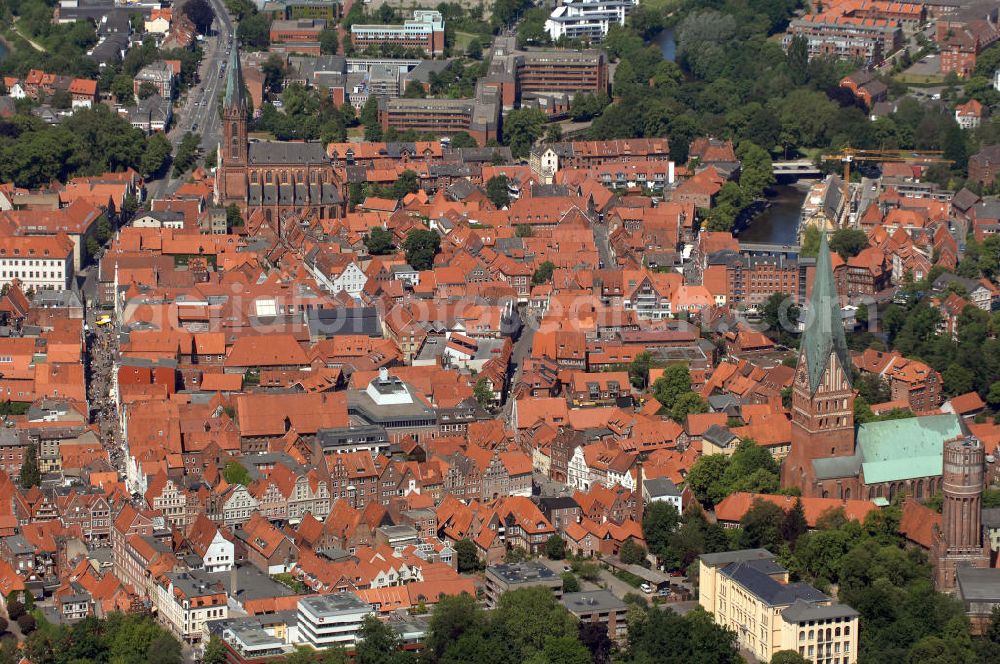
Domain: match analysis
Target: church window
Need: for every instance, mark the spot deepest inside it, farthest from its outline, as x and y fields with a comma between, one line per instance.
x=234, y=148
x=268, y=177
x=253, y=177
x=284, y=177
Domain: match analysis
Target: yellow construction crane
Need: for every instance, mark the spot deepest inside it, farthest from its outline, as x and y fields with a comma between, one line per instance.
x=848, y=155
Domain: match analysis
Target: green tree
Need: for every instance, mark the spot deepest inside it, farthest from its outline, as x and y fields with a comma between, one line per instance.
x=797, y=58
x=555, y=547
x=329, y=42
x=522, y=128
x=254, y=32
x=123, y=89
x=378, y=241
x=665, y=636
x=631, y=553
x=147, y=89
x=457, y=623
x=369, y=112
x=421, y=246
x=30, y=474
x=562, y=650
x=415, y=90
x=187, y=153
x=794, y=524
x=553, y=133
x=675, y=381
x=761, y=526
x=543, y=274
x=201, y=14
x=468, y=559
x=524, y=230
x=483, y=393
x=788, y=656
x=236, y=473
x=164, y=649
x=379, y=644
x=848, y=242
x=638, y=369
x=215, y=651
x=689, y=403
x=810, y=241
x=660, y=521
x=498, y=192
x=474, y=50
x=407, y=183
x=570, y=583
x=234, y=218
x=526, y=618
x=156, y=155
x=462, y=139
x=956, y=379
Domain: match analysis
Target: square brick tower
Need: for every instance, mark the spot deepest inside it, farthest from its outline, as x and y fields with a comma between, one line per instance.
x=822, y=395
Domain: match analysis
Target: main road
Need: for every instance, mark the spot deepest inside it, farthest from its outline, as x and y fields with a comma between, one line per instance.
x=199, y=112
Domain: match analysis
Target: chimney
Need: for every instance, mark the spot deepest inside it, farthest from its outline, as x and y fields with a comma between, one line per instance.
x=383, y=375
x=639, y=500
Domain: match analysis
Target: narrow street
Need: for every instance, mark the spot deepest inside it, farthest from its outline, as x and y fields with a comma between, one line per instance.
x=603, y=245
x=102, y=348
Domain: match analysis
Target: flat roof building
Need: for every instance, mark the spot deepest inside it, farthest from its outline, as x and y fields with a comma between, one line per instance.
x=328, y=620
x=599, y=606
x=425, y=31
x=503, y=578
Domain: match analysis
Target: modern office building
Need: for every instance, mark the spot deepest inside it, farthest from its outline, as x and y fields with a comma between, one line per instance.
x=425, y=31
x=328, y=620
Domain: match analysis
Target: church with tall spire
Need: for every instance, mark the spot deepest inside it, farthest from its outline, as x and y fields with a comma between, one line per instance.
x=280, y=179
x=831, y=457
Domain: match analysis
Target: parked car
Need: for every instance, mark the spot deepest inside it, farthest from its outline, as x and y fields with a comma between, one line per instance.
x=646, y=588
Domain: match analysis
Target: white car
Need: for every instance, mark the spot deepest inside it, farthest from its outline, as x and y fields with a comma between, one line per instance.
x=646, y=588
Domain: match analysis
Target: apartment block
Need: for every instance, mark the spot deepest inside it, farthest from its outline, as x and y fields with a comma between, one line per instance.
x=847, y=37
x=425, y=31
x=299, y=35
x=751, y=280
x=750, y=593
x=587, y=19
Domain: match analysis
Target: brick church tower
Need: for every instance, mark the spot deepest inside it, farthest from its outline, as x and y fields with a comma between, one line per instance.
x=959, y=540
x=822, y=395
x=231, y=175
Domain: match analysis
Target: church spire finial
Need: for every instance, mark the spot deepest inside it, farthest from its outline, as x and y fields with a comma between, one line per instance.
x=234, y=82
x=824, y=333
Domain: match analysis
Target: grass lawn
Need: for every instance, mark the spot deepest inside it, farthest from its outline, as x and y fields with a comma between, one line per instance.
x=261, y=135
x=462, y=40
x=661, y=5
x=355, y=132
x=920, y=79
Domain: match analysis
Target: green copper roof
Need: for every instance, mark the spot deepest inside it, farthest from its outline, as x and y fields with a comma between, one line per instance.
x=824, y=333
x=234, y=82
x=905, y=449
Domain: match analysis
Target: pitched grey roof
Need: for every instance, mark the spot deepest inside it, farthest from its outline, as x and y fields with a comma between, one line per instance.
x=281, y=152
x=758, y=582
x=802, y=611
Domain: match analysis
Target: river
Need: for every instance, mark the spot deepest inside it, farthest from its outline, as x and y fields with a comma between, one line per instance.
x=778, y=223
x=668, y=45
